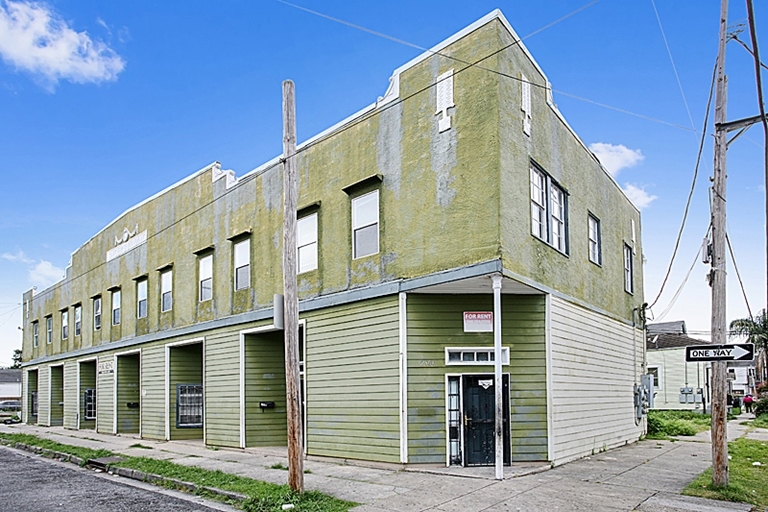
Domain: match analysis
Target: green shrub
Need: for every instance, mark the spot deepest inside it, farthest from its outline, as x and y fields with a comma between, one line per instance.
x=676, y=423
x=761, y=407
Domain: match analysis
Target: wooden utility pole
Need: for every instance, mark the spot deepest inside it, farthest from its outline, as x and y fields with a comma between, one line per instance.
x=291, y=306
x=717, y=273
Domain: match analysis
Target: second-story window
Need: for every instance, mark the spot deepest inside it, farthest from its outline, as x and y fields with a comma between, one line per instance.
x=78, y=319
x=629, y=283
x=593, y=236
x=97, y=313
x=35, y=333
x=365, y=225
x=116, y=301
x=242, y=264
x=549, y=210
x=64, y=324
x=48, y=329
x=141, y=298
x=306, y=243
x=166, y=290
x=205, y=271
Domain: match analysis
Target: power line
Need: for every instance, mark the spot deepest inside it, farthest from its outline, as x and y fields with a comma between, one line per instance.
x=680, y=288
x=738, y=274
x=690, y=194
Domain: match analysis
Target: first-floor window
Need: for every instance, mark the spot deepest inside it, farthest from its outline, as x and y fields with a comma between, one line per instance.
x=64, y=325
x=89, y=404
x=654, y=370
x=189, y=405
x=33, y=399
x=629, y=285
x=166, y=291
x=78, y=319
x=454, y=420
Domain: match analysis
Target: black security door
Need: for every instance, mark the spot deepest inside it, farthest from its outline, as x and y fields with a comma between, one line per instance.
x=479, y=420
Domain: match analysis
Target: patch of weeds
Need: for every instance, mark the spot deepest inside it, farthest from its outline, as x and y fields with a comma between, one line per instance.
x=307, y=471
x=760, y=421
x=213, y=448
x=139, y=445
x=77, y=451
x=662, y=424
x=746, y=482
x=309, y=501
x=279, y=465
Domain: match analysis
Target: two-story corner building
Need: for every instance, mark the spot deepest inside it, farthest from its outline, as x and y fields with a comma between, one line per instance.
x=163, y=326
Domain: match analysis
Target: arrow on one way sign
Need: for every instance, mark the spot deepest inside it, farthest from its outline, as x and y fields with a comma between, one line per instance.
x=742, y=352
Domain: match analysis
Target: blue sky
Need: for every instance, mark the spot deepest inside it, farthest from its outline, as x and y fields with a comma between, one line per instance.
x=103, y=104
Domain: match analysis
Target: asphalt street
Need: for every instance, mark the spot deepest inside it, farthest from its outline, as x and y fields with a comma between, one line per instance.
x=31, y=484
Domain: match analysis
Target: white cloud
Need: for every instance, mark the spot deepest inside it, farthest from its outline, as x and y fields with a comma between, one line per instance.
x=638, y=195
x=33, y=38
x=45, y=274
x=616, y=157
x=19, y=256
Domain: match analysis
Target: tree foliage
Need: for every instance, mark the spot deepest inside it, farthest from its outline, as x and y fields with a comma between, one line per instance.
x=16, y=358
x=755, y=329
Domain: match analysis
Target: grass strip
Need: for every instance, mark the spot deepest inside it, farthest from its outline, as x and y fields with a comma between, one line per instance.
x=77, y=451
x=747, y=481
x=262, y=496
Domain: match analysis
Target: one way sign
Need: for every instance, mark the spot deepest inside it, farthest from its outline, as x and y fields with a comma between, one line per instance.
x=742, y=352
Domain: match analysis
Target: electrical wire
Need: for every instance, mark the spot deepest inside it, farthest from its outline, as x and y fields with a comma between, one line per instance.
x=679, y=289
x=690, y=194
x=674, y=68
x=738, y=274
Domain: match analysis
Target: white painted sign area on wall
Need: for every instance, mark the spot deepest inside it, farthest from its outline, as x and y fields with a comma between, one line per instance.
x=478, y=321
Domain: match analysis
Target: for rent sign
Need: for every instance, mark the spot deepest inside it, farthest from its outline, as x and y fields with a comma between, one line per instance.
x=478, y=321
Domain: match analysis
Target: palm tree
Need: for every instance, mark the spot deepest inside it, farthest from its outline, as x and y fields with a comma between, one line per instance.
x=755, y=329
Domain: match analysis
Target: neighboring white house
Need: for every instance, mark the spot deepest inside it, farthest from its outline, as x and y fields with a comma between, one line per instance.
x=678, y=384
x=10, y=384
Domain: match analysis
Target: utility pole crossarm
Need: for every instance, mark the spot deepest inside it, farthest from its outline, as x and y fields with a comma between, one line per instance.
x=739, y=123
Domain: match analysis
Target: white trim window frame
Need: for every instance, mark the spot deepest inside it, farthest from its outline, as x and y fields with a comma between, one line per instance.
x=549, y=210
x=365, y=225
x=78, y=319
x=473, y=356
x=242, y=263
x=35, y=333
x=117, y=299
x=65, y=324
x=97, y=313
x=166, y=291
x=306, y=243
x=142, y=290
x=594, y=240
x=629, y=264
x=656, y=371
x=205, y=277
x=48, y=330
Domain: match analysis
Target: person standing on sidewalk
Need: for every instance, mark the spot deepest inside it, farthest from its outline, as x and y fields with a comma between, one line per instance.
x=748, y=403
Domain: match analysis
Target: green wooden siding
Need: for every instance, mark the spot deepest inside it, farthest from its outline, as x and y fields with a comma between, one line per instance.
x=153, y=392
x=43, y=396
x=186, y=367
x=352, y=379
x=57, y=395
x=127, y=392
x=87, y=381
x=265, y=381
x=32, y=387
x=70, y=395
x=222, y=389
x=435, y=322
x=105, y=398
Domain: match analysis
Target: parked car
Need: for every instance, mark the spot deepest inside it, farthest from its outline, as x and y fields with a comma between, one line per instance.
x=10, y=405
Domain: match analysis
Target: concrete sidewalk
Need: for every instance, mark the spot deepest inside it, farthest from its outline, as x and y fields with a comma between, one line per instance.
x=646, y=476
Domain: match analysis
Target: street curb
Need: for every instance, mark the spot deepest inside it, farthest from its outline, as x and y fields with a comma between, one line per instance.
x=133, y=474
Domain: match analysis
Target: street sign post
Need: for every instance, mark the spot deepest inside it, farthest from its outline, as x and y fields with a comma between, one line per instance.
x=741, y=352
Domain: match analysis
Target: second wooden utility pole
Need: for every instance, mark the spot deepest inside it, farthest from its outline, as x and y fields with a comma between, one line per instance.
x=291, y=306
x=717, y=272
